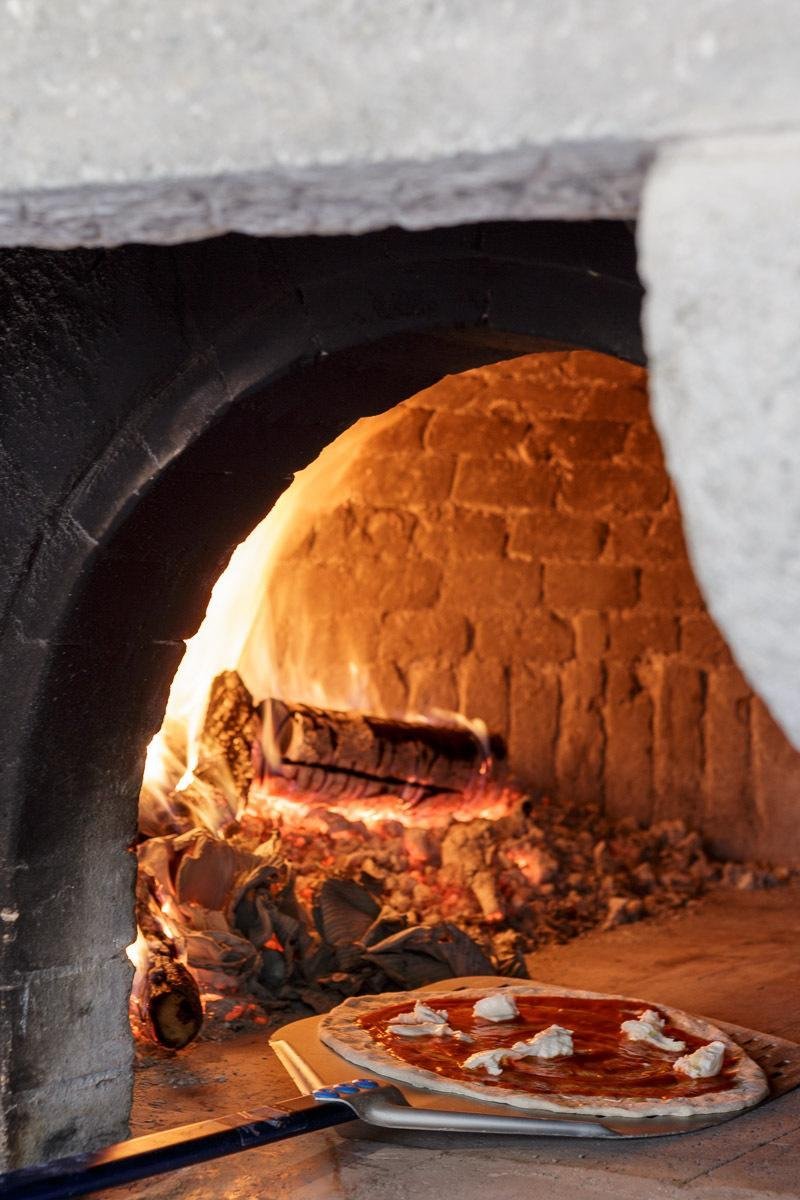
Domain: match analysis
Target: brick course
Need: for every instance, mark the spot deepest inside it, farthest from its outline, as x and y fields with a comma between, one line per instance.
x=678, y=691
x=703, y=642
x=474, y=584
x=729, y=794
x=628, y=766
x=607, y=488
x=580, y=438
x=534, y=723
x=672, y=587
x=502, y=483
x=451, y=432
x=450, y=532
x=556, y=535
x=431, y=633
x=589, y=585
x=591, y=634
x=580, y=745
x=404, y=478
x=648, y=539
x=533, y=636
x=484, y=690
x=507, y=542
x=776, y=773
x=635, y=634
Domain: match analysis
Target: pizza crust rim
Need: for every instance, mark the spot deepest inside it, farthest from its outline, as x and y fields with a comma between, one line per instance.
x=340, y=1032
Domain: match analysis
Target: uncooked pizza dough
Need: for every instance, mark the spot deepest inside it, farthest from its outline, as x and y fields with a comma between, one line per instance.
x=607, y=1073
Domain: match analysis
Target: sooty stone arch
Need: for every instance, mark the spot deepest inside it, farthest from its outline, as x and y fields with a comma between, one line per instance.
x=209, y=374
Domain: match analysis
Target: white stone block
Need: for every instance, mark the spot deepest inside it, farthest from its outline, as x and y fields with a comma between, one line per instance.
x=169, y=121
x=719, y=248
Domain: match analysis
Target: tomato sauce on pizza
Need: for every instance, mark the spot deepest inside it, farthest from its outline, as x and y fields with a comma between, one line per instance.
x=605, y=1063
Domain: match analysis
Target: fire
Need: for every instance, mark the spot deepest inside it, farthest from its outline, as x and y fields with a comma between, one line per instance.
x=137, y=951
x=272, y=800
x=239, y=633
x=139, y=955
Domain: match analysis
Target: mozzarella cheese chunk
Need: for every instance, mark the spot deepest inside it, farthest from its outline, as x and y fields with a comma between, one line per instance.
x=490, y=1060
x=497, y=1007
x=703, y=1062
x=428, y=1029
x=425, y=1022
x=649, y=1027
x=422, y=1013
x=421, y=1029
x=553, y=1042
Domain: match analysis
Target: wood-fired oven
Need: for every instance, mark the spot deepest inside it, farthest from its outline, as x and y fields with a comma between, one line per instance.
x=484, y=530
x=380, y=605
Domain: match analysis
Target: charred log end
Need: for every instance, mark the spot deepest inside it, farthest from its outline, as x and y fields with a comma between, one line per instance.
x=174, y=1021
x=170, y=1006
x=230, y=729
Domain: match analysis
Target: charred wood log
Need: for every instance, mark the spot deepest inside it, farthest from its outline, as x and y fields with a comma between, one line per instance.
x=219, y=781
x=230, y=728
x=355, y=755
x=168, y=1004
x=165, y=998
x=426, y=954
x=148, y=908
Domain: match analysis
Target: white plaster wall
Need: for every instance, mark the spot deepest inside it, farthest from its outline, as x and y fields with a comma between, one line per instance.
x=164, y=121
x=719, y=249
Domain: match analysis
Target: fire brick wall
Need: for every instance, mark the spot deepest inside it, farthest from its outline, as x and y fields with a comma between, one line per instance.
x=511, y=548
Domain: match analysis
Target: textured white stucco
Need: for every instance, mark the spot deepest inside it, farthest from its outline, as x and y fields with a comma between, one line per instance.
x=162, y=121
x=719, y=248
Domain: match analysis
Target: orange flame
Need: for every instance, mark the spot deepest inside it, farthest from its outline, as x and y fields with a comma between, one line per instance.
x=239, y=633
x=138, y=953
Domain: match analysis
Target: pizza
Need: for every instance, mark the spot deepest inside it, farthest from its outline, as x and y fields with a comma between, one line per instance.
x=553, y=1050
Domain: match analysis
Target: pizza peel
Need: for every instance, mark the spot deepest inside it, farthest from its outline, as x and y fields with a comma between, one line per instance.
x=314, y=1067
x=368, y=1103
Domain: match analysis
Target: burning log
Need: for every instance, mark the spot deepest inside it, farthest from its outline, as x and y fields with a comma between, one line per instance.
x=351, y=754
x=165, y=998
x=230, y=727
x=214, y=788
x=168, y=1004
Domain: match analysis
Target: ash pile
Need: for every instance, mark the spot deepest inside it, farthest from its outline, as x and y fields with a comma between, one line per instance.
x=241, y=929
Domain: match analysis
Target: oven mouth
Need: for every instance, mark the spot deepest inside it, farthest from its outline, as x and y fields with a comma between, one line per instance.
x=155, y=467
x=343, y=796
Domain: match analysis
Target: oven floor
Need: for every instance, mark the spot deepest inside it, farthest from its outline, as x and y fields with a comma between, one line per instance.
x=735, y=956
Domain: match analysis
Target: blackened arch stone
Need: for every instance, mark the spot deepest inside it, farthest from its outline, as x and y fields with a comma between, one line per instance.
x=155, y=403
